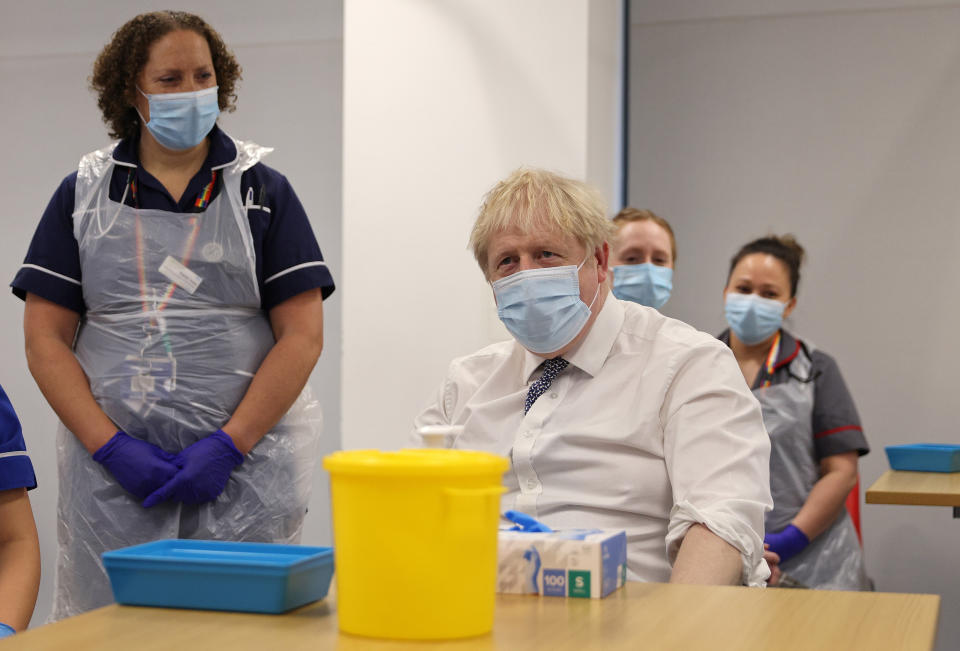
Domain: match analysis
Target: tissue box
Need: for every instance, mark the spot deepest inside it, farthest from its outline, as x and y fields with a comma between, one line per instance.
x=587, y=563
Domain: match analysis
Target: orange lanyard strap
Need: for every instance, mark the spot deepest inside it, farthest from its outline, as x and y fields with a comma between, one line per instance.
x=770, y=366
x=203, y=199
x=141, y=275
x=188, y=251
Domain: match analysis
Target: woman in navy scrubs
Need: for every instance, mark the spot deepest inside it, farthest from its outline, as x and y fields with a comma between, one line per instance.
x=808, y=412
x=19, y=547
x=173, y=315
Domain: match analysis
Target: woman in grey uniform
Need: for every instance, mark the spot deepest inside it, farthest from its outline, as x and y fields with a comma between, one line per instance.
x=815, y=433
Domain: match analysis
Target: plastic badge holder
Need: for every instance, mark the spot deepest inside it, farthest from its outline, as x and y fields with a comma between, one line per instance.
x=219, y=575
x=924, y=457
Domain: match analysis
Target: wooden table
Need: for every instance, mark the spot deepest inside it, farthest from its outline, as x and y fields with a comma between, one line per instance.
x=920, y=488
x=641, y=615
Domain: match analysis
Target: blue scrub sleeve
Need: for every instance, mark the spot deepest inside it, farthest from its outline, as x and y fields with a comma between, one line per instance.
x=836, y=424
x=16, y=470
x=51, y=268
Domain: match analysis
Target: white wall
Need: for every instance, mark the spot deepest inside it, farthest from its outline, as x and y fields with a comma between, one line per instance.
x=290, y=99
x=441, y=100
x=840, y=126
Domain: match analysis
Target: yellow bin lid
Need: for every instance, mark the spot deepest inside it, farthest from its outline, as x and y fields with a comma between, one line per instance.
x=433, y=462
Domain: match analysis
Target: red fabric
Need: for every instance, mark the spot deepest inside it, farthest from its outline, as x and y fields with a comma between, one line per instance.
x=793, y=355
x=853, y=507
x=836, y=429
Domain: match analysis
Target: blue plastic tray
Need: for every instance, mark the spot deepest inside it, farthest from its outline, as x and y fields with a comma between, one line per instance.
x=924, y=457
x=219, y=575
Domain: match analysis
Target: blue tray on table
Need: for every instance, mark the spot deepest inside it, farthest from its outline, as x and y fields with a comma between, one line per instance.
x=924, y=457
x=219, y=575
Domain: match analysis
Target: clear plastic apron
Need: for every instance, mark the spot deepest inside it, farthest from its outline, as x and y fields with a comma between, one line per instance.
x=834, y=559
x=172, y=337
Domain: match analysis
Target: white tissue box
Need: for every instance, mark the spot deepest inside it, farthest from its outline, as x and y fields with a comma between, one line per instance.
x=587, y=563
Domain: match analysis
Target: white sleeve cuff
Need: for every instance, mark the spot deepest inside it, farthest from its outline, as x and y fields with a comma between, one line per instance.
x=733, y=530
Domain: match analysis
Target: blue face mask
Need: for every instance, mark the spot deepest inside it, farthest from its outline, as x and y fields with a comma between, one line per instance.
x=541, y=308
x=753, y=318
x=647, y=284
x=182, y=120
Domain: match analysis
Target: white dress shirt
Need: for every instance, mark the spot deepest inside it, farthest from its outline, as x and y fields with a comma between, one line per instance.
x=651, y=429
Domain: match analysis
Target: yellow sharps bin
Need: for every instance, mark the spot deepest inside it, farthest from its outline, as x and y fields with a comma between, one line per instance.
x=415, y=541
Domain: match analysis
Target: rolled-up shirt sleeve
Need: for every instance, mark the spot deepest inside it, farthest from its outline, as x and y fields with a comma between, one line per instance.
x=717, y=454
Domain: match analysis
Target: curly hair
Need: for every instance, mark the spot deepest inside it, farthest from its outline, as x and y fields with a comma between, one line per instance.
x=120, y=62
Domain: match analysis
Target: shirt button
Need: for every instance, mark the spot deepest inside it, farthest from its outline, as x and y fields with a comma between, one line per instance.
x=553, y=395
x=531, y=484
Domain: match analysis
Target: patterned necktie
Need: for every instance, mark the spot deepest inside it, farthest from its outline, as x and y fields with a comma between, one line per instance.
x=551, y=369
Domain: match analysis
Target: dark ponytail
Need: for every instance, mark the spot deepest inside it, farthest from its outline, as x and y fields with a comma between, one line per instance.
x=784, y=248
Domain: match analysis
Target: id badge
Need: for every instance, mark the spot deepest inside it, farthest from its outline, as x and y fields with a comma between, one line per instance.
x=150, y=378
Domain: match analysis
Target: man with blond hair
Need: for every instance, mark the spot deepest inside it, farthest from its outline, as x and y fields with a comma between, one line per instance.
x=613, y=416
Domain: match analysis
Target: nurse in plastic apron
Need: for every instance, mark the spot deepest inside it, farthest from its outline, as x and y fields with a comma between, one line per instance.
x=814, y=428
x=173, y=315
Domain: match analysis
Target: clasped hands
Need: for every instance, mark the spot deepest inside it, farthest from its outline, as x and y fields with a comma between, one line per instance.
x=196, y=474
x=780, y=547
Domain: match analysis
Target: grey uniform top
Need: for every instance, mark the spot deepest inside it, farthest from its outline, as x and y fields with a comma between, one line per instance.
x=809, y=415
x=836, y=424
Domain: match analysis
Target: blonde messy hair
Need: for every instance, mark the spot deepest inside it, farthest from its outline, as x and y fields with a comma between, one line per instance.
x=531, y=198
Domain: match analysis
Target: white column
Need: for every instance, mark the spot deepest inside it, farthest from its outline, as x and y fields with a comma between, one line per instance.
x=442, y=99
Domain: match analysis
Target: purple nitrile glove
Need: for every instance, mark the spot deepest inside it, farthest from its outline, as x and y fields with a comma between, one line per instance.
x=525, y=522
x=787, y=543
x=138, y=466
x=6, y=631
x=205, y=468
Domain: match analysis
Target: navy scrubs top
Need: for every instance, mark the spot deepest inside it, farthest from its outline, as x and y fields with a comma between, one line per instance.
x=288, y=257
x=16, y=471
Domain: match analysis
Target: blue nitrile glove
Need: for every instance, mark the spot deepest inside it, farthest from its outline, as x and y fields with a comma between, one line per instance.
x=787, y=543
x=138, y=466
x=205, y=468
x=524, y=522
x=6, y=631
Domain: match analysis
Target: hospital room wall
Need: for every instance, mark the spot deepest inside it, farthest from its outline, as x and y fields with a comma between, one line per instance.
x=290, y=99
x=442, y=100
x=836, y=121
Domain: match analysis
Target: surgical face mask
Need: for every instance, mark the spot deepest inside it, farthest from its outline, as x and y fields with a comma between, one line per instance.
x=753, y=318
x=647, y=284
x=182, y=120
x=541, y=308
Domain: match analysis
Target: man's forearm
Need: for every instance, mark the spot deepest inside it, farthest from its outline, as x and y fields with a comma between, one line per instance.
x=705, y=558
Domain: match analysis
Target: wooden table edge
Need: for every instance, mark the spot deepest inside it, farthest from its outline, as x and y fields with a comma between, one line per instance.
x=874, y=495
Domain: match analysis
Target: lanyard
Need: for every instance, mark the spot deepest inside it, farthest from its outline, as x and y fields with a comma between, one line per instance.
x=203, y=199
x=772, y=360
